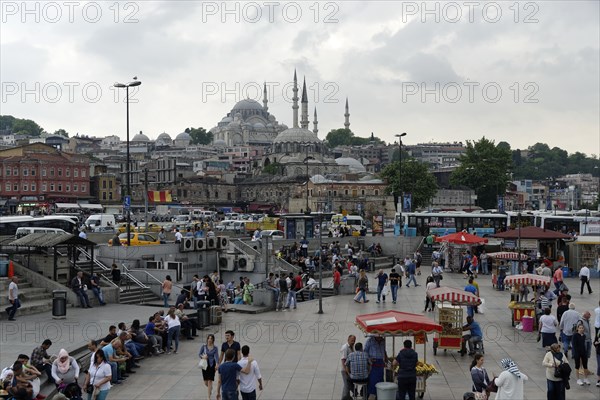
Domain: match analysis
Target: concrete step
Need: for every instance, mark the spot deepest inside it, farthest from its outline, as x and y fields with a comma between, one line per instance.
x=28, y=308
x=28, y=295
x=138, y=296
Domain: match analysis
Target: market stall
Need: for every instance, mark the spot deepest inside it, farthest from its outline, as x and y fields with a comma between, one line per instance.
x=525, y=309
x=395, y=323
x=450, y=316
x=454, y=242
x=499, y=256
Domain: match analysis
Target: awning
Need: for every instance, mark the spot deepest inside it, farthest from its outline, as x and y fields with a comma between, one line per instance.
x=66, y=205
x=91, y=206
x=527, y=279
x=396, y=323
x=462, y=238
x=508, y=255
x=454, y=296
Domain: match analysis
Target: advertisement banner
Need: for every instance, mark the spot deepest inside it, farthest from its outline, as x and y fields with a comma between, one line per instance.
x=377, y=225
x=407, y=202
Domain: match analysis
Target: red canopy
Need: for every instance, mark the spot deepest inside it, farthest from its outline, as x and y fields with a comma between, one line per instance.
x=532, y=232
x=396, y=323
x=508, y=255
x=461, y=238
x=457, y=297
x=527, y=279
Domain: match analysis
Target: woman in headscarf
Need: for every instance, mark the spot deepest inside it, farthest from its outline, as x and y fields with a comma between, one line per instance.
x=555, y=386
x=510, y=381
x=65, y=369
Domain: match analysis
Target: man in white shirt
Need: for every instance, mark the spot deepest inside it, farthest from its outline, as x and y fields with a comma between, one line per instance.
x=178, y=236
x=345, y=351
x=568, y=320
x=248, y=381
x=13, y=298
x=584, y=275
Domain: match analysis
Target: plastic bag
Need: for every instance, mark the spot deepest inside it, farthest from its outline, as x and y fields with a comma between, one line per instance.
x=385, y=291
x=481, y=307
x=203, y=364
x=519, y=326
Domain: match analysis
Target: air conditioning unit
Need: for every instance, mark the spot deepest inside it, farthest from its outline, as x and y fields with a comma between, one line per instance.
x=227, y=262
x=187, y=244
x=211, y=243
x=176, y=267
x=222, y=242
x=153, y=265
x=200, y=244
x=245, y=264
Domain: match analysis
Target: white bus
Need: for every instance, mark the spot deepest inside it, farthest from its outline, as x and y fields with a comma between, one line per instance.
x=9, y=225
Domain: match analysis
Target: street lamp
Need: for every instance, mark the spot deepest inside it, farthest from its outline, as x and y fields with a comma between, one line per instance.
x=128, y=176
x=307, y=145
x=320, y=263
x=519, y=241
x=401, y=200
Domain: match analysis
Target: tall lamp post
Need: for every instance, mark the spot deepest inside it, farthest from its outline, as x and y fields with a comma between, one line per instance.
x=307, y=211
x=320, y=264
x=400, y=197
x=128, y=176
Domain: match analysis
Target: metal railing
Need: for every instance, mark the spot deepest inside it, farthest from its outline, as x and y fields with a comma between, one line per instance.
x=97, y=263
x=283, y=265
x=245, y=248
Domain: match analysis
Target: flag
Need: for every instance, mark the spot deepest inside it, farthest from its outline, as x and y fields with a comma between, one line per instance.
x=160, y=196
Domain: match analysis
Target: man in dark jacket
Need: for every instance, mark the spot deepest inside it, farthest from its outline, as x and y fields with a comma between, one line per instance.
x=407, y=374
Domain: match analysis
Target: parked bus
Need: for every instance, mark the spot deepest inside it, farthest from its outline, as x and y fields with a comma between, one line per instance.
x=9, y=225
x=443, y=223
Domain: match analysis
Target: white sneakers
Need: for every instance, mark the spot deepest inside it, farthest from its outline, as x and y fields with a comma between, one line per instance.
x=579, y=382
x=586, y=381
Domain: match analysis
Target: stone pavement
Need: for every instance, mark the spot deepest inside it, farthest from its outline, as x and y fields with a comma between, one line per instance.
x=298, y=351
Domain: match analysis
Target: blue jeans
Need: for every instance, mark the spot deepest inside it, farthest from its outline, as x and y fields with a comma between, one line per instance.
x=114, y=371
x=394, y=289
x=556, y=390
x=173, y=333
x=99, y=295
x=500, y=283
x=362, y=294
x=411, y=278
x=165, y=297
x=484, y=267
x=566, y=341
x=83, y=297
x=12, y=309
x=291, y=299
x=102, y=395
x=379, y=290
x=229, y=395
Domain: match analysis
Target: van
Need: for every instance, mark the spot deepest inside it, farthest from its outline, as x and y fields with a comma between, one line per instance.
x=232, y=215
x=26, y=231
x=240, y=226
x=100, y=220
x=356, y=222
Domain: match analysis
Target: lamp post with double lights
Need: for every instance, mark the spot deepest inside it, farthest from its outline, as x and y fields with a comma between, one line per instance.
x=401, y=194
x=128, y=176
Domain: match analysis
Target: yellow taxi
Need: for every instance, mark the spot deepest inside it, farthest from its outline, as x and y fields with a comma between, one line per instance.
x=137, y=239
x=151, y=228
x=122, y=228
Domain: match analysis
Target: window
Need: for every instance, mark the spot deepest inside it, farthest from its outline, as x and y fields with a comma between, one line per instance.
x=44, y=172
x=33, y=187
x=60, y=187
x=76, y=173
x=103, y=184
x=103, y=195
x=16, y=187
x=7, y=187
x=376, y=192
x=110, y=184
x=83, y=187
x=362, y=192
x=7, y=171
x=44, y=187
x=216, y=194
x=346, y=192
x=75, y=187
x=25, y=172
x=16, y=171
x=32, y=172
x=25, y=187
x=52, y=187
x=110, y=195
x=60, y=172
x=51, y=171
x=68, y=172
x=83, y=173
x=67, y=188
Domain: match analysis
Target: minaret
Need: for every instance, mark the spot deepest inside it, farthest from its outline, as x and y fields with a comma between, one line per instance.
x=265, y=99
x=315, y=123
x=295, y=101
x=304, y=118
x=347, y=115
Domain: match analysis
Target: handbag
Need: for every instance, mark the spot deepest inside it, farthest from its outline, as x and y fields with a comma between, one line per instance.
x=491, y=387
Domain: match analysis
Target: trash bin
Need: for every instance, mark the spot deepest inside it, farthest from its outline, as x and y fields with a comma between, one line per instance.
x=203, y=314
x=386, y=390
x=3, y=265
x=566, y=272
x=527, y=323
x=59, y=304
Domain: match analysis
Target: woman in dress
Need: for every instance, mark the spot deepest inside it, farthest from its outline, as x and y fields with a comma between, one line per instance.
x=480, y=377
x=65, y=369
x=223, y=299
x=210, y=353
x=555, y=386
x=580, y=354
x=510, y=381
x=548, y=325
x=174, y=328
x=98, y=376
x=166, y=288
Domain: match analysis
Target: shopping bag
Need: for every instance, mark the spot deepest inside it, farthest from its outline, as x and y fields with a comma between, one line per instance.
x=481, y=308
x=203, y=364
x=385, y=291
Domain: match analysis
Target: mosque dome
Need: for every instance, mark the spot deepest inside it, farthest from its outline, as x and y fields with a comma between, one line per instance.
x=297, y=135
x=164, y=136
x=227, y=120
x=258, y=125
x=140, y=137
x=246, y=104
x=219, y=143
x=183, y=136
x=353, y=164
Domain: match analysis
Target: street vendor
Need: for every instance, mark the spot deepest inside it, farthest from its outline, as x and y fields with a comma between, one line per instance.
x=476, y=335
x=375, y=349
x=502, y=268
x=407, y=360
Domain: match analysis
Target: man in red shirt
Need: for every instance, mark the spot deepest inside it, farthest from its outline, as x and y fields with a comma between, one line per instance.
x=337, y=280
x=558, y=279
x=299, y=285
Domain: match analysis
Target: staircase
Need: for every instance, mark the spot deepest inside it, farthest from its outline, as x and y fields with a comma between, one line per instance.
x=326, y=292
x=33, y=300
x=138, y=295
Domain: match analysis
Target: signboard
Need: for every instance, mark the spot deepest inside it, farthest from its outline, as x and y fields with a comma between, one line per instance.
x=407, y=202
x=501, y=204
x=127, y=202
x=377, y=225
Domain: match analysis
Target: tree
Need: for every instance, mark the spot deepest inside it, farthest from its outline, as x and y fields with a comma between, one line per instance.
x=272, y=169
x=61, y=132
x=345, y=137
x=200, y=136
x=485, y=168
x=20, y=126
x=416, y=179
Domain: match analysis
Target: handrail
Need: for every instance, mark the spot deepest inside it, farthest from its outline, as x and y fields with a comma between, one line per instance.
x=133, y=278
x=156, y=279
x=286, y=265
x=235, y=242
x=99, y=264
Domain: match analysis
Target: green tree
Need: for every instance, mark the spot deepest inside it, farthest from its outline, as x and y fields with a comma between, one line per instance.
x=61, y=132
x=272, y=169
x=485, y=168
x=345, y=137
x=416, y=179
x=20, y=126
x=200, y=135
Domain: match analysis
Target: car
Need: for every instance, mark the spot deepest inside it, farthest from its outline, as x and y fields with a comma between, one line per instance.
x=137, y=239
x=151, y=228
x=274, y=234
x=122, y=228
x=104, y=229
x=225, y=225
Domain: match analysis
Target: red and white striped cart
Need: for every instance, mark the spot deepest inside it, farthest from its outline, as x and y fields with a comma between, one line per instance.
x=525, y=309
x=450, y=315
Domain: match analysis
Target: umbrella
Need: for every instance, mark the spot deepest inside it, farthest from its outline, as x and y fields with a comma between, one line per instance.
x=461, y=238
x=507, y=255
x=457, y=297
x=527, y=279
x=396, y=323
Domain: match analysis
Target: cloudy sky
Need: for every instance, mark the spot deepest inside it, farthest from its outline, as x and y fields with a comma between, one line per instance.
x=440, y=71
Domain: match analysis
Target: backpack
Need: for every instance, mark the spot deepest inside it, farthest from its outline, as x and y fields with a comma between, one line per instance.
x=562, y=370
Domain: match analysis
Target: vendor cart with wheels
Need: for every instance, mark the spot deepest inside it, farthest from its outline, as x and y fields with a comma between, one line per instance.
x=450, y=316
x=395, y=323
x=503, y=256
x=525, y=309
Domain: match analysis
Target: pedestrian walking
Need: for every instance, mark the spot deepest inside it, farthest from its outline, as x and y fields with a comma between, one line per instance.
x=584, y=276
x=210, y=353
x=363, y=287
x=510, y=382
x=395, y=281
x=228, y=374
x=411, y=270
x=13, y=298
x=407, y=360
x=382, y=280
x=248, y=381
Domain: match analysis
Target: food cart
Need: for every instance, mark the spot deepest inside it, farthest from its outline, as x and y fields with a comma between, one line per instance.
x=525, y=309
x=503, y=256
x=395, y=323
x=461, y=240
x=450, y=316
